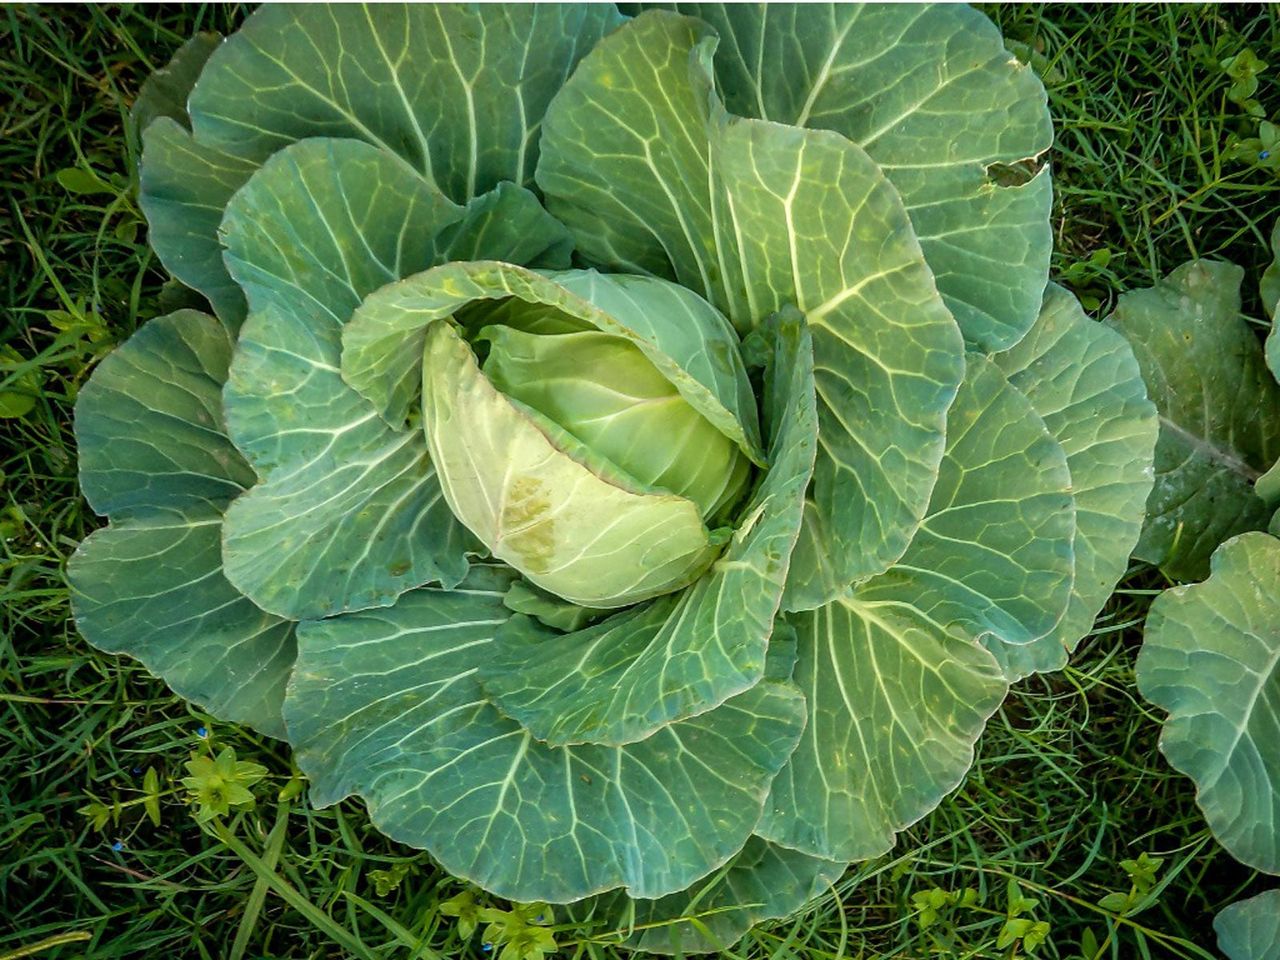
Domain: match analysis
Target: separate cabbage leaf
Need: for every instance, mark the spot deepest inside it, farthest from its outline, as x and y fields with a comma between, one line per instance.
x=1211, y=658
x=1219, y=413
x=762, y=882
x=1269, y=290
x=1211, y=653
x=1250, y=929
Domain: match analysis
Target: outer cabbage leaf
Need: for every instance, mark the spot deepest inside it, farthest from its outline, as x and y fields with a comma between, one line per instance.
x=1083, y=380
x=761, y=882
x=898, y=688
x=320, y=226
x=622, y=679
x=934, y=98
x=1211, y=658
x=1219, y=413
x=154, y=456
x=1250, y=929
x=1269, y=290
x=183, y=188
x=150, y=431
x=385, y=704
x=994, y=555
x=165, y=92
x=152, y=586
x=184, y=185
x=547, y=608
x=758, y=216
x=895, y=706
x=429, y=84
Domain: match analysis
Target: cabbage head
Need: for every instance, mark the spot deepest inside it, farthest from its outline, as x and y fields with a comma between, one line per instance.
x=634, y=454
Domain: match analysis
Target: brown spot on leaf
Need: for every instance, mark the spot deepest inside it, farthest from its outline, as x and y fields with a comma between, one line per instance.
x=526, y=524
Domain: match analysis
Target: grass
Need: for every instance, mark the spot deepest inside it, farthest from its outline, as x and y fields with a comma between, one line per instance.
x=1068, y=782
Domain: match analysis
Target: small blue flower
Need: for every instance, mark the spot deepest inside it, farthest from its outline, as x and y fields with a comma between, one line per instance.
x=201, y=732
x=486, y=947
x=117, y=846
x=1264, y=154
x=137, y=770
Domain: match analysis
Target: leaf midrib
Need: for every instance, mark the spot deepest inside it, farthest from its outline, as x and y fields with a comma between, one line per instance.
x=1205, y=446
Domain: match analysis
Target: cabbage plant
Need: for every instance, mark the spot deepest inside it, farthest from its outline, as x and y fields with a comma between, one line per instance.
x=633, y=454
x=1211, y=651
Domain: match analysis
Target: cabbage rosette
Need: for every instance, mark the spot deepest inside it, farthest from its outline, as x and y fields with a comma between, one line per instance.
x=633, y=454
x=1210, y=655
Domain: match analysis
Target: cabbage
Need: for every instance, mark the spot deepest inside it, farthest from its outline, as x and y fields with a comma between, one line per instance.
x=635, y=455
